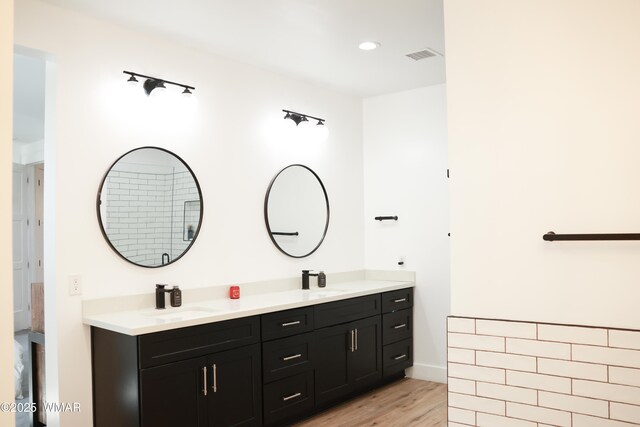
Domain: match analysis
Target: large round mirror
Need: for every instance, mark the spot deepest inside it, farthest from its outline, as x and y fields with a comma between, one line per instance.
x=150, y=207
x=296, y=211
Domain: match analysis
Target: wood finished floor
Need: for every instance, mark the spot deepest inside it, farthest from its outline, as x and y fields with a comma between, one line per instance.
x=405, y=403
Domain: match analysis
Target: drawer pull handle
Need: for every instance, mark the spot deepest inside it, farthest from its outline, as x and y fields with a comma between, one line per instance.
x=293, y=396
x=297, y=322
x=215, y=378
x=402, y=356
x=204, y=376
x=356, y=339
x=352, y=341
x=402, y=325
x=400, y=300
x=295, y=356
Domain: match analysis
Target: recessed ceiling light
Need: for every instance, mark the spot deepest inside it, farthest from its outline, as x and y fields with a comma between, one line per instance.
x=369, y=45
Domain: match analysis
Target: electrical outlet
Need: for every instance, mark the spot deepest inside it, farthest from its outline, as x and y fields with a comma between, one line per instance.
x=75, y=285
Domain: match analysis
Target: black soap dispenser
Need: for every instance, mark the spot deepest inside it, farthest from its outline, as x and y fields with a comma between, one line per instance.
x=175, y=297
x=322, y=280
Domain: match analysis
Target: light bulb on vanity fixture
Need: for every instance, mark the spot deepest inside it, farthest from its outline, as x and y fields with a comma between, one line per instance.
x=154, y=85
x=132, y=81
x=306, y=128
x=321, y=130
x=304, y=124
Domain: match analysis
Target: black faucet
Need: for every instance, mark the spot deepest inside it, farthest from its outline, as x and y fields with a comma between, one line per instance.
x=305, y=278
x=160, y=290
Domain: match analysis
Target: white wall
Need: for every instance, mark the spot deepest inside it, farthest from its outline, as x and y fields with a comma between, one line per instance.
x=543, y=105
x=231, y=140
x=405, y=164
x=6, y=267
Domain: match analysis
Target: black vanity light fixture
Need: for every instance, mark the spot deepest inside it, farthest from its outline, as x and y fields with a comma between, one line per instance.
x=299, y=118
x=318, y=132
x=152, y=83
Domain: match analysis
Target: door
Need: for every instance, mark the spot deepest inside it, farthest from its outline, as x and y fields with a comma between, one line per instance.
x=332, y=349
x=35, y=209
x=365, y=364
x=175, y=394
x=235, y=389
x=21, y=313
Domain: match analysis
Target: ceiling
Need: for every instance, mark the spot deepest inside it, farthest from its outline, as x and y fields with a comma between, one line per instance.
x=28, y=98
x=313, y=40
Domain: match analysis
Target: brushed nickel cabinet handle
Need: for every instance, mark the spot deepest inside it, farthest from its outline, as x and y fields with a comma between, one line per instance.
x=295, y=356
x=297, y=322
x=204, y=376
x=402, y=356
x=356, y=339
x=400, y=300
x=352, y=340
x=402, y=325
x=215, y=378
x=293, y=396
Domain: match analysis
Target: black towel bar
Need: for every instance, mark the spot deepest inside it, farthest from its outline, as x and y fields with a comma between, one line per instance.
x=386, y=218
x=551, y=236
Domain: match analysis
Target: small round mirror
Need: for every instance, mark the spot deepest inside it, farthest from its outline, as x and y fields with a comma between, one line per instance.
x=150, y=207
x=296, y=211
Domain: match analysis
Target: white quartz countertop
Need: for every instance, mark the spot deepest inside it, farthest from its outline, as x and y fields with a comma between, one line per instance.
x=148, y=320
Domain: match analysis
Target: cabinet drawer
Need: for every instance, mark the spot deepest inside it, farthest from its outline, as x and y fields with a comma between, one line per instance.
x=288, y=398
x=286, y=323
x=397, y=326
x=397, y=300
x=179, y=344
x=397, y=356
x=334, y=313
x=287, y=356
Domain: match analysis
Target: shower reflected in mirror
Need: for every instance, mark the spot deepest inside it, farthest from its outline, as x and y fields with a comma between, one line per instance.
x=150, y=207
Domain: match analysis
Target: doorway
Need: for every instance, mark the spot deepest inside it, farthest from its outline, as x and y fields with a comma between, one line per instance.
x=28, y=236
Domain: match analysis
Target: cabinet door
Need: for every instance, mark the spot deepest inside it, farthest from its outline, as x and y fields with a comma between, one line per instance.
x=173, y=395
x=332, y=349
x=365, y=362
x=235, y=390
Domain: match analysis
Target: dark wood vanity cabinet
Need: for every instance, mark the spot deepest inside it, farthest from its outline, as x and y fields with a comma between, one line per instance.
x=269, y=370
x=171, y=395
x=213, y=391
x=348, y=358
x=397, y=331
x=288, y=350
x=201, y=376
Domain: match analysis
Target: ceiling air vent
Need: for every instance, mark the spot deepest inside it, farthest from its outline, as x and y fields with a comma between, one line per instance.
x=423, y=54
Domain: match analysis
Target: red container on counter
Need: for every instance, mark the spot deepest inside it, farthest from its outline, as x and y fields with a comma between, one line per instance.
x=234, y=292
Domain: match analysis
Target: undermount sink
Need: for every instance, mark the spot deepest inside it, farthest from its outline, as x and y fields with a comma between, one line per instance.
x=326, y=292
x=172, y=314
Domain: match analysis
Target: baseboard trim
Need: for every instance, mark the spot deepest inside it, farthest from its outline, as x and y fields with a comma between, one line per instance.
x=422, y=371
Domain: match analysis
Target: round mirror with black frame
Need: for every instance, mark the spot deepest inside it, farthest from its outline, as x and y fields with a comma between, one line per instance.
x=150, y=207
x=296, y=211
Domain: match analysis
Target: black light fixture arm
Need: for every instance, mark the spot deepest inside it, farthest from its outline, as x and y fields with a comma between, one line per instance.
x=304, y=115
x=131, y=73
